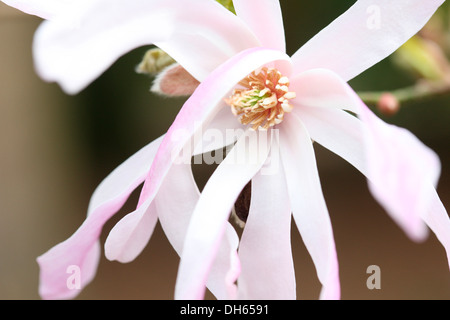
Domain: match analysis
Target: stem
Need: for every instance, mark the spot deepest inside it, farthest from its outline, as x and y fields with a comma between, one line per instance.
x=419, y=91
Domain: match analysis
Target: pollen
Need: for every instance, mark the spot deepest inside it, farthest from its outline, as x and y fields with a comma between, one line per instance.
x=262, y=99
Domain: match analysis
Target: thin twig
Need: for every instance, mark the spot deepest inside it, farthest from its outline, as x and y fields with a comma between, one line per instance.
x=419, y=91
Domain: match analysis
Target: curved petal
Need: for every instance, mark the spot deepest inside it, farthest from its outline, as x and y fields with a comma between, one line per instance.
x=404, y=175
x=226, y=267
x=77, y=46
x=337, y=94
x=346, y=135
x=209, y=220
x=175, y=203
x=308, y=204
x=46, y=9
x=223, y=131
x=402, y=172
x=320, y=88
x=82, y=248
x=131, y=234
x=265, y=19
x=338, y=131
x=265, y=248
x=202, y=106
x=364, y=35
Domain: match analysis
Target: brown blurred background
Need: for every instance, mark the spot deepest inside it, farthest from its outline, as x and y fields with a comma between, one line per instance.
x=55, y=149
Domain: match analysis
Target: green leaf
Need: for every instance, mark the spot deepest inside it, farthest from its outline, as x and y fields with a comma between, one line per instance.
x=227, y=4
x=420, y=57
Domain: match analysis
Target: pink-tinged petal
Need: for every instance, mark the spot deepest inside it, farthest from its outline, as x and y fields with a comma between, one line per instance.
x=369, y=147
x=131, y=234
x=60, y=263
x=405, y=173
x=364, y=35
x=346, y=135
x=175, y=203
x=46, y=9
x=227, y=262
x=401, y=170
x=203, y=106
x=77, y=46
x=265, y=248
x=82, y=248
x=308, y=204
x=209, y=220
x=318, y=89
x=265, y=19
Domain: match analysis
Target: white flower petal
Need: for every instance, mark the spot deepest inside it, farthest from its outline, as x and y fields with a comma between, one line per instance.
x=346, y=136
x=226, y=267
x=265, y=19
x=46, y=9
x=364, y=35
x=368, y=148
x=77, y=46
x=131, y=234
x=175, y=203
x=223, y=131
x=402, y=172
x=338, y=131
x=265, y=248
x=308, y=204
x=317, y=88
x=209, y=220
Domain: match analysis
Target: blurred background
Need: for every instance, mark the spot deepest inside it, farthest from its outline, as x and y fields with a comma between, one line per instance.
x=55, y=149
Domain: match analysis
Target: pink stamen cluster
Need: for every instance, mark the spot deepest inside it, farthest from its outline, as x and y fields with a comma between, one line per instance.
x=263, y=99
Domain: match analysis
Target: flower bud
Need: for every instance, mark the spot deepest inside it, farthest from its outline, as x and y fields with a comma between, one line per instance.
x=155, y=60
x=388, y=104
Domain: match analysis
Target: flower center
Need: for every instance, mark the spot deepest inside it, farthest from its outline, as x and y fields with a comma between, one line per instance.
x=263, y=99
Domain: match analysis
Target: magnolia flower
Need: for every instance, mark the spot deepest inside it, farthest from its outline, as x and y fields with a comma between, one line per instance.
x=280, y=103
